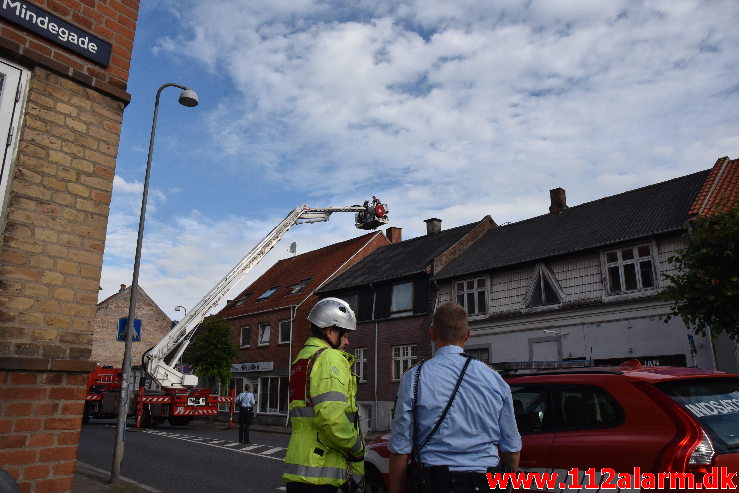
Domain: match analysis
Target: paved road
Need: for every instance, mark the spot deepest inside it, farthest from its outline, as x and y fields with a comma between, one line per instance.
x=191, y=459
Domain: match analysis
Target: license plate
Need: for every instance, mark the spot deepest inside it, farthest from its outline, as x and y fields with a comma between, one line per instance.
x=196, y=401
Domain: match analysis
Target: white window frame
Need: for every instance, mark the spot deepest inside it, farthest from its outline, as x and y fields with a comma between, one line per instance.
x=264, y=328
x=463, y=298
x=263, y=401
x=636, y=261
x=542, y=274
x=360, y=364
x=12, y=101
x=241, y=336
x=289, y=323
x=403, y=358
x=406, y=308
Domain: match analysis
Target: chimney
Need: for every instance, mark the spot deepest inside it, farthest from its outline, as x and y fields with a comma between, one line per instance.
x=123, y=287
x=395, y=235
x=433, y=226
x=559, y=200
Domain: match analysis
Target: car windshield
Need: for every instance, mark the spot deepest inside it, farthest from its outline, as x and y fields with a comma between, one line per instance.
x=714, y=402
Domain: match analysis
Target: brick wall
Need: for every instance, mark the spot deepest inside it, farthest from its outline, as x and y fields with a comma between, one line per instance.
x=391, y=332
x=40, y=427
x=53, y=235
x=155, y=324
x=112, y=20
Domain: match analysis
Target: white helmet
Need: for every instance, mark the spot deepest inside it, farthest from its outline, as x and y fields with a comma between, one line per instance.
x=330, y=312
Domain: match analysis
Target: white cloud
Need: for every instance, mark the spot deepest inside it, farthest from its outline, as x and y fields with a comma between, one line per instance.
x=453, y=109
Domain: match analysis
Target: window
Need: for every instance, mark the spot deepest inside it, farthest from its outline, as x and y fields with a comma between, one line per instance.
x=245, y=339
x=268, y=293
x=472, y=294
x=272, y=395
x=544, y=289
x=585, y=407
x=530, y=408
x=402, y=299
x=360, y=366
x=263, y=335
x=11, y=84
x=482, y=353
x=296, y=288
x=243, y=299
x=403, y=358
x=629, y=269
x=238, y=386
x=285, y=330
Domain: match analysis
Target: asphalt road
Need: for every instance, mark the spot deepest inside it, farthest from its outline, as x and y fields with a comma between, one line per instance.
x=191, y=459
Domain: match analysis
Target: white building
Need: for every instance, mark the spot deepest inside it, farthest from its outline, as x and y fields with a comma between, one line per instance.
x=583, y=282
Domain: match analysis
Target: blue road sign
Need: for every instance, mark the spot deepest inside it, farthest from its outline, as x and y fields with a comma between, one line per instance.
x=123, y=323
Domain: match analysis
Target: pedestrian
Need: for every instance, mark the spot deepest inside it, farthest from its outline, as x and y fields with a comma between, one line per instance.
x=326, y=448
x=453, y=457
x=246, y=402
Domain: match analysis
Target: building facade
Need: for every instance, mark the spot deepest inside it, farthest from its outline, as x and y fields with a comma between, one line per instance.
x=63, y=77
x=581, y=283
x=393, y=294
x=155, y=324
x=269, y=319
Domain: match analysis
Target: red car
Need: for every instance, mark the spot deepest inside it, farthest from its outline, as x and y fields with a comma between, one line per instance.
x=618, y=427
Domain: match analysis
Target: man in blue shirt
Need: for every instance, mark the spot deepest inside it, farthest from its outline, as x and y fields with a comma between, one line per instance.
x=480, y=421
x=246, y=402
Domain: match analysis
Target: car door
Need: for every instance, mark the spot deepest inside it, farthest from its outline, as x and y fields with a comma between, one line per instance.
x=532, y=407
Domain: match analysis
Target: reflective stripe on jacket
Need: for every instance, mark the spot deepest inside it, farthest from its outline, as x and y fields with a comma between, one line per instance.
x=323, y=414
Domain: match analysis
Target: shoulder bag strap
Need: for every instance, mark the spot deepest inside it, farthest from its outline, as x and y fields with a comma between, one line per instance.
x=448, y=405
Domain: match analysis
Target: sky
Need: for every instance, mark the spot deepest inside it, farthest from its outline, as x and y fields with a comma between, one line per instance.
x=454, y=109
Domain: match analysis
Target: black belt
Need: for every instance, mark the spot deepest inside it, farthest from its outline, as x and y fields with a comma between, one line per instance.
x=441, y=475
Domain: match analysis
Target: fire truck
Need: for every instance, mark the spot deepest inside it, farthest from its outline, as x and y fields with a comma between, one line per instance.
x=165, y=392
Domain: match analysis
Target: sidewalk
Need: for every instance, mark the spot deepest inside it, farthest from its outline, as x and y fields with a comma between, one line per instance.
x=89, y=479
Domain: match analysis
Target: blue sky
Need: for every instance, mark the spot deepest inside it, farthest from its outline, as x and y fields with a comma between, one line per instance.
x=452, y=109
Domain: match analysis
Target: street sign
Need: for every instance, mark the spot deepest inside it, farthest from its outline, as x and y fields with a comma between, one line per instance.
x=123, y=323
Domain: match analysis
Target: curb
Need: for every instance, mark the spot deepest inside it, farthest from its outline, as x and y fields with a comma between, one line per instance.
x=101, y=478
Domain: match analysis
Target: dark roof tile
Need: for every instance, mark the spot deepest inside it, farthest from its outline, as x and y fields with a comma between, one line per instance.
x=639, y=213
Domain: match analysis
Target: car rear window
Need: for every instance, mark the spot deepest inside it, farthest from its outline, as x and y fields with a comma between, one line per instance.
x=713, y=402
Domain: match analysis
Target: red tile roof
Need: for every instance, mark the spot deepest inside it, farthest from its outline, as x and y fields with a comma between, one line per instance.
x=317, y=266
x=720, y=190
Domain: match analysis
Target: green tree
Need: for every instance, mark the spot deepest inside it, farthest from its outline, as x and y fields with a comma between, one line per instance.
x=705, y=290
x=212, y=350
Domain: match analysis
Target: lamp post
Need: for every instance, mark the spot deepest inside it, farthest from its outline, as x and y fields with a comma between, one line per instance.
x=180, y=308
x=188, y=98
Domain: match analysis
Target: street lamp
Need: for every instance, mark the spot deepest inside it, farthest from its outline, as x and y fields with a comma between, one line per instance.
x=180, y=308
x=188, y=98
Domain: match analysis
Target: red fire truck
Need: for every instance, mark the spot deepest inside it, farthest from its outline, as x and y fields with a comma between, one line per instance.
x=161, y=390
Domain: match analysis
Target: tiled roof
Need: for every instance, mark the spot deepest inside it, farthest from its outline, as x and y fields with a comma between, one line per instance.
x=399, y=260
x=627, y=216
x=317, y=265
x=720, y=190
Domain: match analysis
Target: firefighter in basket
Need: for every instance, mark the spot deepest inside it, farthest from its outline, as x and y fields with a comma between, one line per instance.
x=326, y=449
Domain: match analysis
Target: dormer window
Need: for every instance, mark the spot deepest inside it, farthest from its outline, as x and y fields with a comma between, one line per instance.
x=544, y=289
x=630, y=269
x=473, y=295
x=268, y=293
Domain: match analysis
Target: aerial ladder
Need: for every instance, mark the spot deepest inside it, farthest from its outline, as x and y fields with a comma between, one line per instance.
x=171, y=394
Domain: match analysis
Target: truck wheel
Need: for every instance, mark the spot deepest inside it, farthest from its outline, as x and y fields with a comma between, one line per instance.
x=86, y=413
x=179, y=420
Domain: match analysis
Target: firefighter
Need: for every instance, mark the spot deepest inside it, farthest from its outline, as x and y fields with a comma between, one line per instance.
x=326, y=447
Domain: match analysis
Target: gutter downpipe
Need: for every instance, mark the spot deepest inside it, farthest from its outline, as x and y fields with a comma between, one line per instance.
x=436, y=305
x=374, y=298
x=293, y=313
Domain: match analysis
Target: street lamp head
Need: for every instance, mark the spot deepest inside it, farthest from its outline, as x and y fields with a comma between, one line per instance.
x=188, y=98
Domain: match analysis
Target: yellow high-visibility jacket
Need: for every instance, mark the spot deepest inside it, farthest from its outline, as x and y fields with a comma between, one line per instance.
x=324, y=417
